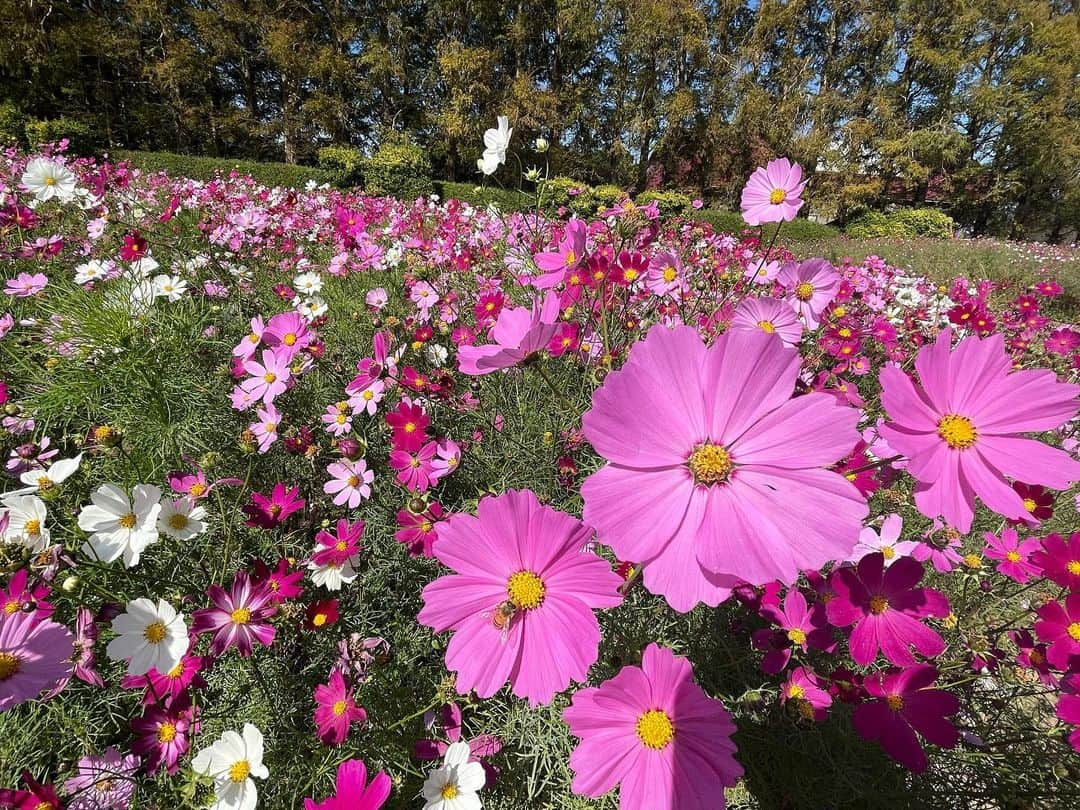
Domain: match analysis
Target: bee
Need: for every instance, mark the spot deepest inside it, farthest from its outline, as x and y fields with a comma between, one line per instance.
x=501, y=617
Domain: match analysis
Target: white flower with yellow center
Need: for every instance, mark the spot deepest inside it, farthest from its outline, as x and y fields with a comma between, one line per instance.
x=454, y=785
x=169, y=287
x=331, y=576
x=181, y=519
x=45, y=480
x=308, y=284
x=231, y=762
x=149, y=637
x=26, y=522
x=92, y=270
x=47, y=180
x=119, y=525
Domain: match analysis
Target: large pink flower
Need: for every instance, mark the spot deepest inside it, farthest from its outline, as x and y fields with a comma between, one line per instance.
x=960, y=428
x=521, y=597
x=519, y=332
x=570, y=254
x=773, y=193
x=811, y=286
x=654, y=732
x=715, y=473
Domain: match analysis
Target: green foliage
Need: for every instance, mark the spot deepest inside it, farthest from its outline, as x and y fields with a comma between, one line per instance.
x=482, y=196
x=903, y=222
x=206, y=168
x=670, y=203
x=82, y=139
x=346, y=164
x=399, y=169
x=797, y=230
x=12, y=125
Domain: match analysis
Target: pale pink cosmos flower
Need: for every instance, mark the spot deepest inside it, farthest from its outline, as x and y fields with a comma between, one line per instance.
x=265, y=429
x=268, y=378
x=773, y=193
x=886, y=541
x=569, y=256
x=25, y=285
x=811, y=286
x=768, y=315
x=518, y=333
x=368, y=399
x=351, y=482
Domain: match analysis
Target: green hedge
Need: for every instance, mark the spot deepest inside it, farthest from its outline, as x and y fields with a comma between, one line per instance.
x=902, y=222
x=401, y=170
x=798, y=230
x=206, y=168
x=670, y=203
x=345, y=163
x=481, y=196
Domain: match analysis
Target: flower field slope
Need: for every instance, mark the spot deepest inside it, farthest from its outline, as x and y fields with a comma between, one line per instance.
x=320, y=500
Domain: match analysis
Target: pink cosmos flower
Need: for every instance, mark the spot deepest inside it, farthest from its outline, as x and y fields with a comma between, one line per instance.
x=519, y=333
x=368, y=399
x=408, y=424
x=282, y=582
x=269, y=512
x=36, y=796
x=268, y=378
x=1060, y=628
x=447, y=459
x=25, y=285
x=289, y=331
x=337, y=419
x=418, y=531
x=901, y=705
x=35, y=654
x=570, y=254
x=886, y=541
x=415, y=471
x=20, y=596
x=352, y=791
x=665, y=274
x=768, y=315
x=245, y=349
x=885, y=607
x=165, y=687
x=341, y=546
x=351, y=482
x=336, y=710
x=762, y=271
x=103, y=782
x=654, y=732
x=724, y=475
x=811, y=286
x=800, y=627
x=802, y=691
x=1059, y=560
x=1013, y=554
x=773, y=193
x=521, y=598
x=266, y=429
x=162, y=734
x=239, y=616
x=960, y=429
x=1068, y=709
x=1062, y=342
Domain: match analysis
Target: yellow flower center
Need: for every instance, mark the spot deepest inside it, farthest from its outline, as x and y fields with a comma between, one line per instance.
x=1030, y=505
x=894, y=702
x=178, y=521
x=1074, y=631
x=571, y=258
x=155, y=633
x=766, y=326
x=844, y=332
x=526, y=590
x=289, y=339
x=669, y=274
x=410, y=427
x=796, y=636
x=239, y=771
x=33, y=526
x=44, y=483
x=1012, y=556
x=339, y=708
x=270, y=377
x=319, y=620
x=50, y=181
x=888, y=552
x=166, y=733
x=341, y=418
x=710, y=464
x=128, y=521
x=972, y=561
x=804, y=291
x=878, y=605
x=354, y=480
x=655, y=730
x=176, y=671
x=240, y=616
x=426, y=526
x=9, y=665
x=777, y=196
x=195, y=490
x=11, y=607
x=449, y=791
x=795, y=691
x=630, y=274
x=368, y=395
x=341, y=545
x=1074, y=567
x=957, y=431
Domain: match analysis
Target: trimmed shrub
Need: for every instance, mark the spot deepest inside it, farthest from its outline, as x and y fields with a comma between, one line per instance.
x=12, y=125
x=902, y=222
x=670, y=203
x=507, y=200
x=207, y=168
x=797, y=230
x=401, y=170
x=81, y=137
x=345, y=163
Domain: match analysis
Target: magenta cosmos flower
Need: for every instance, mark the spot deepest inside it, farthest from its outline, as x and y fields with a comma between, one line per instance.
x=811, y=286
x=885, y=607
x=239, y=616
x=353, y=791
x=1059, y=559
x=901, y=705
x=802, y=693
x=336, y=710
x=655, y=733
x=715, y=473
x=35, y=654
x=162, y=733
x=1012, y=554
x=773, y=193
x=960, y=428
x=521, y=598
x=570, y=254
x=1059, y=627
x=519, y=333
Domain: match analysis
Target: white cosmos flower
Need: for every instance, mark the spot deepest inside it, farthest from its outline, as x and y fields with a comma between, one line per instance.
x=170, y=287
x=496, y=142
x=90, y=271
x=308, y=283
x=26, y=522
x=231, y=762
x=181, y=519
x=312, y=308
x=331, y=576
x=149, y=637
x=454, y=785
x=120, y=526
x=144, y=267
x=47, y=179
x=44, y=480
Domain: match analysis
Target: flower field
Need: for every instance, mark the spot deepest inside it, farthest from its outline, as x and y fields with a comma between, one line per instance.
x=322, y=500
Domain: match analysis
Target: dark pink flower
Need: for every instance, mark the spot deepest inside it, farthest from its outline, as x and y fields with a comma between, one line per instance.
x=901, y=705
x=336, y=710
x=1013, y=554
x=802, y=692
x=1059, y=560
x=800, y=626
x=239, y=616
x=353, y=792
x=1060, y=628
x=419, y=529
x=408, y=423
x=885, y=607
x=162, y=734
x=269, y=511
